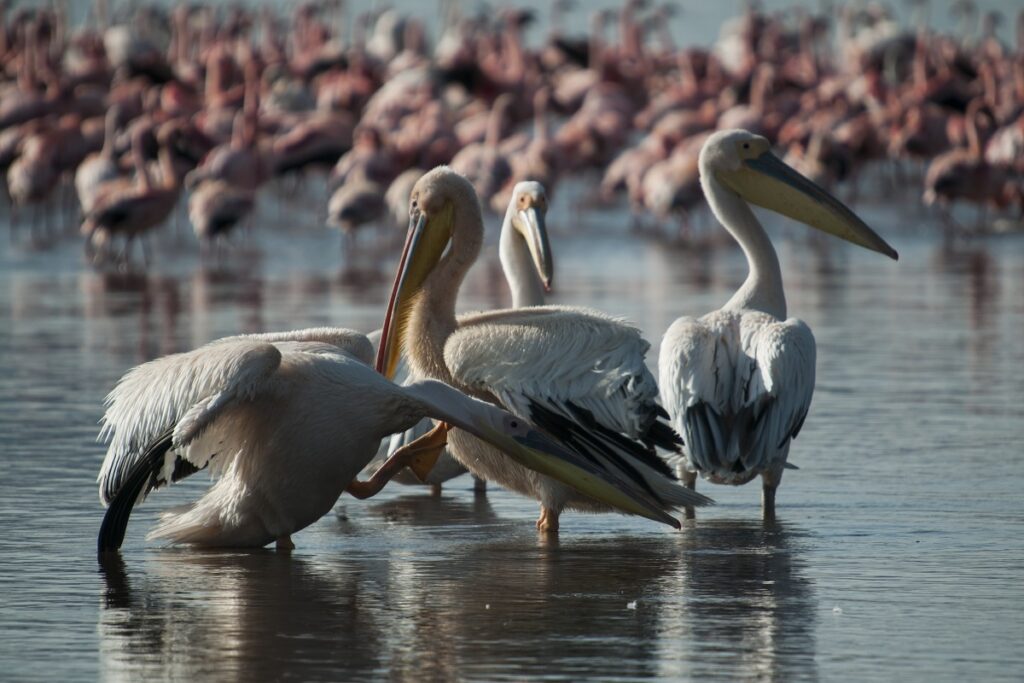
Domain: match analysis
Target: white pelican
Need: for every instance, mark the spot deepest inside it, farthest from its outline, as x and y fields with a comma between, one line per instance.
x=287, y=420
x=576, y=373
x=525, y=255
x=738, y=381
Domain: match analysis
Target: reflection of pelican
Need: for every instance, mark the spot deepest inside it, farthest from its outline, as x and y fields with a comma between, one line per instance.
x=577, y=373
x=293, y=417
x=432, y=511
x=258, y=616
x=526, y=260
x=746, y=595
x=573, y=618
x=738, y=381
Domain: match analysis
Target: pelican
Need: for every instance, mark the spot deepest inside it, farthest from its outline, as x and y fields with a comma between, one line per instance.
x=525, y=255
x=576, y=373
x=287, y=420
x=737, y=382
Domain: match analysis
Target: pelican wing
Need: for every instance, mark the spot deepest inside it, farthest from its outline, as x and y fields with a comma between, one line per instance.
x=159, y=412
x=738, y=387
x=165, y=404
x=579, y=375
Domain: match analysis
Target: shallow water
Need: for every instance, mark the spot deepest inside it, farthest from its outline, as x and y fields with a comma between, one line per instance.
x=898, y=554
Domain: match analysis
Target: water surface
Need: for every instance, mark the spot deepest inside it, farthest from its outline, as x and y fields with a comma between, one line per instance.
x=898, y=553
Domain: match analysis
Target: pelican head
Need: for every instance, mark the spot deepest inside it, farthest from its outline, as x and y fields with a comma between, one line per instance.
x=435, y=201
x=526, y=213
x=743, y=163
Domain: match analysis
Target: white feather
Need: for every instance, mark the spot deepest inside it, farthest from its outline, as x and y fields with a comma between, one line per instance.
x=732, y=362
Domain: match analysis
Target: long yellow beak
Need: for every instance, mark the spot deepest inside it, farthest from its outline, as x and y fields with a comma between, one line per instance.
x=536, y=234
x=767, y=181
x=425, y=243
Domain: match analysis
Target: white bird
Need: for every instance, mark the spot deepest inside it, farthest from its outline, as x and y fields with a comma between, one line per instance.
x=525, y=254
x=286, y=421
x=99, y=167
x=737, y=382
x=576, y=373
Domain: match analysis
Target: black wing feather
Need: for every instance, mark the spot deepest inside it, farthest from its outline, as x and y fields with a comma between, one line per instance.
x=143, y=478
x=589, y=438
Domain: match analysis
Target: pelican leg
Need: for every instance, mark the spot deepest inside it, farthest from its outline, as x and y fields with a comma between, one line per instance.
x=421, y=453
x=769, y=483
x=435, y=490
x=479, y=486
x=690, y=482
x=548, y=520
x=285, y=543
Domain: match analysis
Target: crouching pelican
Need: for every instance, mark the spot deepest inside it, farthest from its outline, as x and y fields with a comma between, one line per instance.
x=575, y=373
x=525, y=254
x=287, y=421
x=737, y=382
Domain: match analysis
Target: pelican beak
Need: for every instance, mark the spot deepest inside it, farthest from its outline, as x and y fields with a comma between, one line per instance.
x=767, y=181
x=539, y=452
x=535, y=232
x=425, y=243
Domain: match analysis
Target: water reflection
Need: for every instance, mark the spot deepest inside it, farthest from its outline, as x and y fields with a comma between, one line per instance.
x=749, y=610
x=528, y=607
x=244, y=617
x=720, y=599
x=419, y=509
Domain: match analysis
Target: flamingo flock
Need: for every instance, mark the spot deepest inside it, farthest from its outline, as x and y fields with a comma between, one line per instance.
x=205, y=105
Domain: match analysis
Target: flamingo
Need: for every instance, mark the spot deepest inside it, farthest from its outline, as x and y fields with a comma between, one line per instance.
x=132, y=211
x=100, y=167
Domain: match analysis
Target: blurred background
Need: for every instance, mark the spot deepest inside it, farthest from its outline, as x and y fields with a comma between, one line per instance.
x=178, y=172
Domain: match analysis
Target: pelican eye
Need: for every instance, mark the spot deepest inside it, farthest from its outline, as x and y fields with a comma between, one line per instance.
x=513, y=424
x=746, y=145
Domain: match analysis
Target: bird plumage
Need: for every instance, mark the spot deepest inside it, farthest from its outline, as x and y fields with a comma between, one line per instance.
x=738, y=385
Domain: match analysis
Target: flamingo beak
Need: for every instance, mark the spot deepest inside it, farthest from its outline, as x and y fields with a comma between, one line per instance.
x=425, y=243
x=769, y=182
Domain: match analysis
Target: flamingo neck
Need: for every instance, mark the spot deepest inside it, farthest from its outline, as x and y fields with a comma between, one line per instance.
x=169, y=179
x=540, y=121
x=495, y=122
x=518, y=266
x=432, y=318
x=762, y=290
x=109, y=132
x=141, y=168
x=973, y=135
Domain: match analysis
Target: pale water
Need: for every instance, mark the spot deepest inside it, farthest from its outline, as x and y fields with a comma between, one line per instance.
x=898, y=555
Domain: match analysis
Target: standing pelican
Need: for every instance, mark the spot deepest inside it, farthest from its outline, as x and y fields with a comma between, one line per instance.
x=287, y=420
x=576, y=373
x=526, y=260
x=738, y=381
